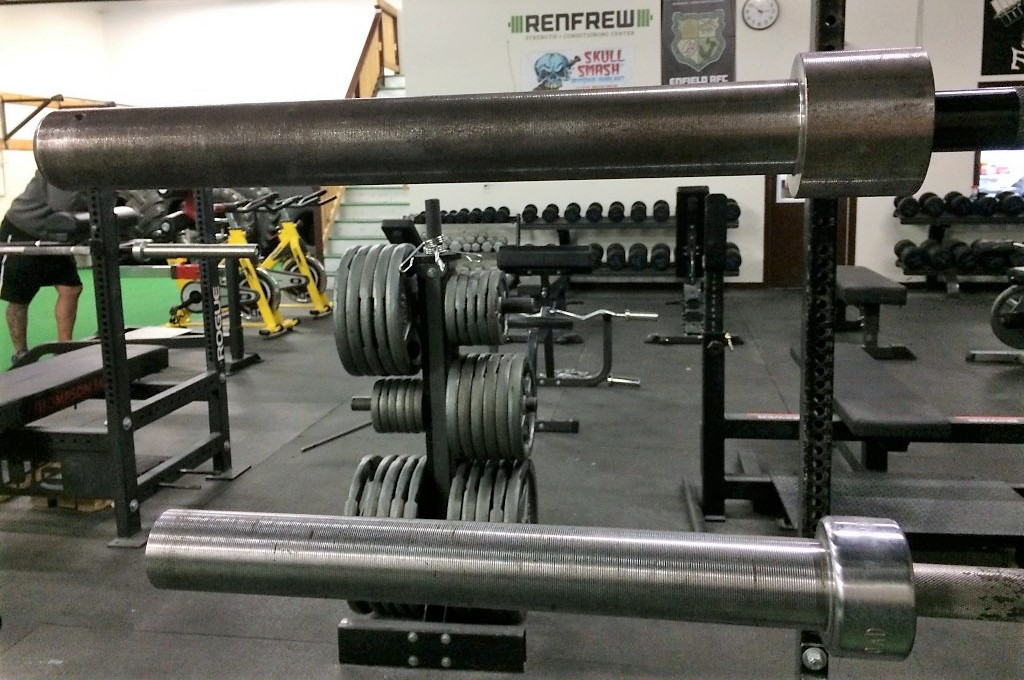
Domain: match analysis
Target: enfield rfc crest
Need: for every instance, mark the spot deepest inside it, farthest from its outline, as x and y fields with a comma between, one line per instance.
x=698, y=40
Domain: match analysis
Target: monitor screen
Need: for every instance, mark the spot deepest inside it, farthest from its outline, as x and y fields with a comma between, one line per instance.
x=1000, y=171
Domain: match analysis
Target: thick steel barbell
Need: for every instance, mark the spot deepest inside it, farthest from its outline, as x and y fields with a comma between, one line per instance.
x=847, y=123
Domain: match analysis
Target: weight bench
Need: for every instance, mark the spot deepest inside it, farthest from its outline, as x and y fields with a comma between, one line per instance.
x=880, y=410
x=868, y=291
x=37, y=390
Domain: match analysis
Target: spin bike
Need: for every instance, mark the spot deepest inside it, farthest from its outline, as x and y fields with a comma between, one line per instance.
x=287, y=268
x=1007, y=320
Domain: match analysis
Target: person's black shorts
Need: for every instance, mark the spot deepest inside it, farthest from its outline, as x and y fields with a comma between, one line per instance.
x=21, y=276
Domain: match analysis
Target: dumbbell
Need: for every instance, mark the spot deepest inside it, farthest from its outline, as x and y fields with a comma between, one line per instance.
x=733, y=259
x=594, y=212
x=637, y=256
x=596, y=254
x=550, y=213
x=1010, y=203
x=985, y=205
x=992, y=256
x=421, y=217
x=957, y=204
x=489, y=214
x=503, y=214
x=616, y=212
x=932, y=204
x=661, y=211
x=462, y=217
x=963, y=256
x=476, y=215
x=638, y=212
x=615, y=256
x=661, y=256
x=530, y=214
x=938, y=256
x=909, y=255
x=906, y=206
x=572, y=213
x=732, y=210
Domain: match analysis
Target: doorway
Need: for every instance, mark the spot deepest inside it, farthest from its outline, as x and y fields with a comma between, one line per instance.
x=783, y=235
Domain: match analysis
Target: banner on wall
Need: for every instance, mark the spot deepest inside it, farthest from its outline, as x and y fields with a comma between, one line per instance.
x=569, y=69
x=567, y=49
x=1002, y=47
x=698, y=42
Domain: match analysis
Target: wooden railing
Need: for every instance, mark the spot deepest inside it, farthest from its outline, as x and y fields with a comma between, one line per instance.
x=380, y=52
x=34, y=105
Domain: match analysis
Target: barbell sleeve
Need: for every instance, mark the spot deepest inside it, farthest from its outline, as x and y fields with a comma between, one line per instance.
x=853, y=583
x=849, y=123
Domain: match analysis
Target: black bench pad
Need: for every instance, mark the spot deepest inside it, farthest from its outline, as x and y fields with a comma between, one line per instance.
x=860, y=285
x=531, y=260
x=874, y=403
x=37, y=390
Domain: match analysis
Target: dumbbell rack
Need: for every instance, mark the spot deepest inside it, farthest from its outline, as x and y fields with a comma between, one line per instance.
x=441, y=638
x=937, y=228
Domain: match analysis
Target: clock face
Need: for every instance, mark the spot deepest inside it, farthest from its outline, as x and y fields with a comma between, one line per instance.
x=760, y=14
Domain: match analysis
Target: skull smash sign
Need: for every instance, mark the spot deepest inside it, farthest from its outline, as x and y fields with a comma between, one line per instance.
x=585, y=68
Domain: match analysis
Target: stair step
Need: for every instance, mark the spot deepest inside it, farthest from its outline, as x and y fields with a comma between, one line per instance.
x=395, y=81
x=390, y=94
x=371, y=213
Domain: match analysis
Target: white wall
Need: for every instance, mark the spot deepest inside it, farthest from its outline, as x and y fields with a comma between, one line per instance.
x=176, y=52
x=45, y=50
x=484, y=59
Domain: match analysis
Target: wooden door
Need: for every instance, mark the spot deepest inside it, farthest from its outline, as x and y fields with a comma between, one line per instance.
x=783, y=237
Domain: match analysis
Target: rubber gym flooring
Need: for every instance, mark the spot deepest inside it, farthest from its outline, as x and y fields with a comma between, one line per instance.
x=73, y=608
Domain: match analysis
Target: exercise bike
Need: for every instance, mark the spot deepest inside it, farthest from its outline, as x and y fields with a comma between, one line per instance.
x=1007, y=320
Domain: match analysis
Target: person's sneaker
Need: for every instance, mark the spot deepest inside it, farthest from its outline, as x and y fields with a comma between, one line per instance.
x=17, y=356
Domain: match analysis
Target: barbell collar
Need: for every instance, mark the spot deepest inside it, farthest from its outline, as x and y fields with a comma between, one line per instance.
x=822, y=585
x=852, y=122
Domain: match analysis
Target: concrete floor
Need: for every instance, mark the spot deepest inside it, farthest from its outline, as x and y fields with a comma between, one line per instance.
x=73, y=608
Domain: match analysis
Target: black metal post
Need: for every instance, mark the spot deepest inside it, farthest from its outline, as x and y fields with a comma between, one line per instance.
x=213, y=331
x=116, y=379
x=817, y=347
x=435, y=357
x=713, y=341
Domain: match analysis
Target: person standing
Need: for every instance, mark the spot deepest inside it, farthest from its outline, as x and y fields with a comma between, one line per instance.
x=21, y=276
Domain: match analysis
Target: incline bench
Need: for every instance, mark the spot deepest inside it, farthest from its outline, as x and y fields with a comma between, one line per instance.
x=868, y=290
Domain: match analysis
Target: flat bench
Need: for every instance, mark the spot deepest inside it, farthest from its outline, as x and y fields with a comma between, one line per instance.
x=879, y=409
x=868, y=291
x=37, y=390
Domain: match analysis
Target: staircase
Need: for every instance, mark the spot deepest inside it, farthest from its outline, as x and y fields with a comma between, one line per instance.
x=362, y=208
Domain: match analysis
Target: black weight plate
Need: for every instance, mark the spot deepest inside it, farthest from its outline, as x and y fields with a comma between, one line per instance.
x=498, y=495
x=375, y=405
x=412, y=500
x=501, y=406
x=341, y=312
x=513, y=491
x=1008, y=306
x=386, y=420
x=380, y=320
x=490, y=402
x=469, y=495
x=484, y=496
x=529, y=415
x=472, y=287
x=364, y=471
x=461, y=282
x=396, y=311
x=489, y=307
x=416, y=404
x=449, y=310
x=451, y=406
x=388, y=488
x=465, y=405
x=368, y=503
x=366, y=310
x=402, y=487
x=458, y=489
x=515, y=406
x=477, y=407
x=354, y=313
x=496, y=319
x=483, y=292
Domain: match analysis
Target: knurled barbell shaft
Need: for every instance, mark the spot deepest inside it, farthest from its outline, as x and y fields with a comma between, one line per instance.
x=851, y=583
x=140, y=249
x=858, y=122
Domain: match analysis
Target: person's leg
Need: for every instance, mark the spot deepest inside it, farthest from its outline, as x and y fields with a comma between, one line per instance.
x=66, y=310
x=17, y=325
